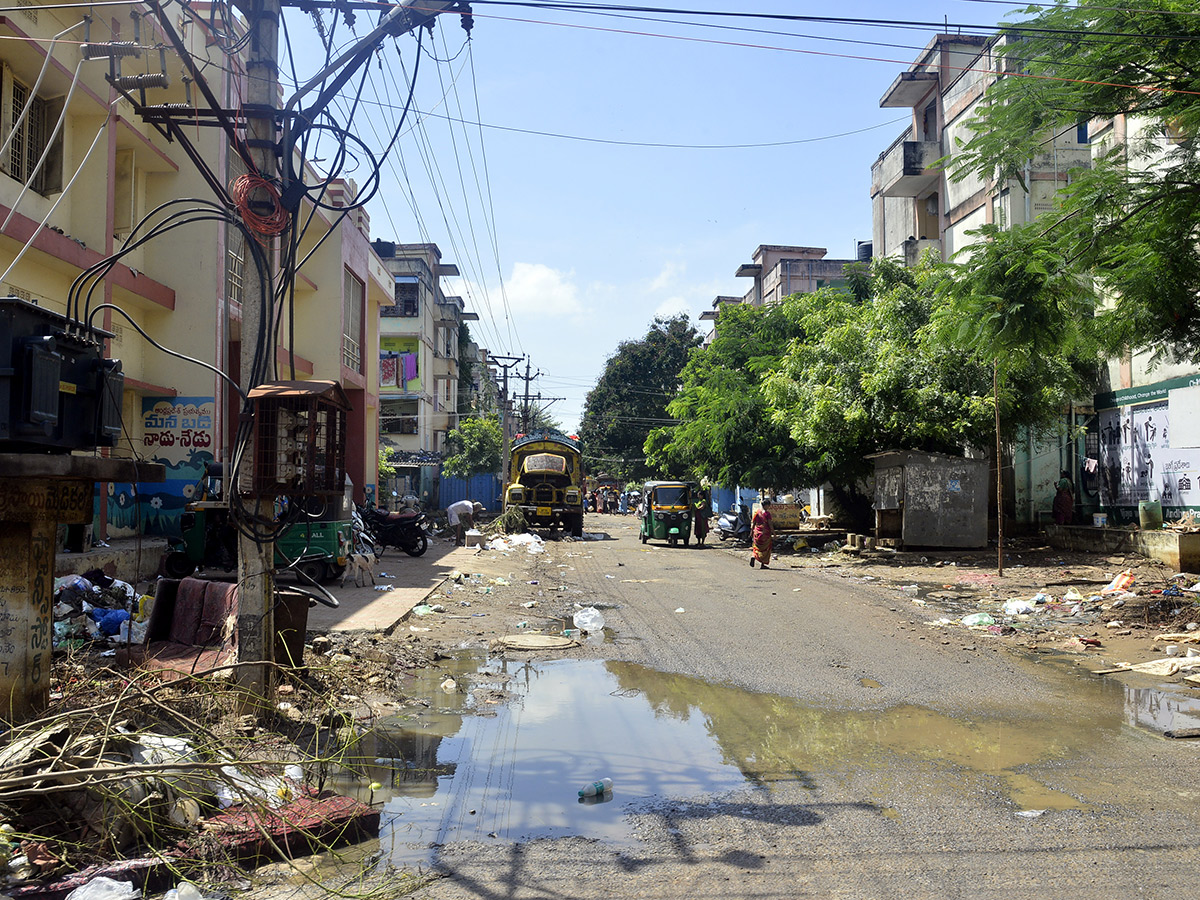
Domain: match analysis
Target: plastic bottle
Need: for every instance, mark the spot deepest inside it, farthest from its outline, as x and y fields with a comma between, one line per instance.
x=603, y=786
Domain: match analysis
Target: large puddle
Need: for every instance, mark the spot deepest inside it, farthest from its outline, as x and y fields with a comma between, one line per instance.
x=505, y=746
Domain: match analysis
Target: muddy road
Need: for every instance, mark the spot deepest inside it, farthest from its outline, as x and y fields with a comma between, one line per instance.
x=780, y=733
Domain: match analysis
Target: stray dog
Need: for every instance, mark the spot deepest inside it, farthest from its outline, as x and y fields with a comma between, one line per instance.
x=821, y=522
x=361, y=564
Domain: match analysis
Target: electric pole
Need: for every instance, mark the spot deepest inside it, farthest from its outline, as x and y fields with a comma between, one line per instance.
x=504, y=363
x=256, y=558
x=265, y=150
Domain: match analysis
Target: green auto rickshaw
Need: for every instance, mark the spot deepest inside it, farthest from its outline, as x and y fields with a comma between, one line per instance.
x=666, y=512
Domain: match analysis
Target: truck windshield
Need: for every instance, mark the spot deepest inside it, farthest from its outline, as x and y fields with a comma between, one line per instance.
x=671, y=496
x=543, y=463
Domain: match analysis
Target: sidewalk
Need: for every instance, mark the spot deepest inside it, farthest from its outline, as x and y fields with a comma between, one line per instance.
x=415, y=578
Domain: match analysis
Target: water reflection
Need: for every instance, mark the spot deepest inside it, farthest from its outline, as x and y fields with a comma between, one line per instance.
x=502, y=751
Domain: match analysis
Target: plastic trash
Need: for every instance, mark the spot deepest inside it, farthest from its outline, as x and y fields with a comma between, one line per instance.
x=589, y=619
x=109, y=620
x=908, y=589
x=104, y=889
x=977, y=619
x=603, y=786
x=1019, y=607
x=185, y=891
x=1120, y=583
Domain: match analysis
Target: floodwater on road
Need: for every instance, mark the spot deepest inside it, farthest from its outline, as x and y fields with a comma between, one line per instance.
x=505, y=746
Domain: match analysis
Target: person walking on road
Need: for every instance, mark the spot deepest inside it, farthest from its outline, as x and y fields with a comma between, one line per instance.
x=760, y=535
x=703, y=509
x=461, y=516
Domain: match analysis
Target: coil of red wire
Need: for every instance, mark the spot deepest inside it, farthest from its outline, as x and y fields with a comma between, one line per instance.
x=267, y=225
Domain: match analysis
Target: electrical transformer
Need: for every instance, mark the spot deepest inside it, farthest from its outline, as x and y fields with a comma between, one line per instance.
x=57, y=391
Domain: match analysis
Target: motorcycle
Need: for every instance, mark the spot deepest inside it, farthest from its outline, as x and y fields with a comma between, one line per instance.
x=734, y=524
x=362, y=540
x=405, y=530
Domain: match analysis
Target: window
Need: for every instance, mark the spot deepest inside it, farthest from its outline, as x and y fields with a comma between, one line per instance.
x=353, y=298
x=235, y=266
x=398, y=417
x=31, y=137
x=408, y=298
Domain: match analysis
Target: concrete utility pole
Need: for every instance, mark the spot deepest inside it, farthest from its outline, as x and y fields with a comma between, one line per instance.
x=256, y=561
x=256, y=589
x=504, y=363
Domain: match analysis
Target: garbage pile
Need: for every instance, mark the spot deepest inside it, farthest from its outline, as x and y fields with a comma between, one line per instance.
x=95, y=607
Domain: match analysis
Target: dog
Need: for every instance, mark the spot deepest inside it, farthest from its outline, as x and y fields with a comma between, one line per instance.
x=821, y=522
x=361, y=564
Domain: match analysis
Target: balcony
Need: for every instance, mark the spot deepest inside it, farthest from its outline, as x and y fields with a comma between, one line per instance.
x=909, y=169
x=909, y=89
x=914, y=249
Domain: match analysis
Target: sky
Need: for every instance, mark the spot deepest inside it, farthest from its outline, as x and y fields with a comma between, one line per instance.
x=588, y=171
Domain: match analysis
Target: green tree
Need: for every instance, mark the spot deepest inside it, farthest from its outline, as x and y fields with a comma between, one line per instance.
x=1129, y=219
x=725, y=430
x=881, y=375
x=630, y=398
x=1015, y=305
x=386, y=468
x=474, y=447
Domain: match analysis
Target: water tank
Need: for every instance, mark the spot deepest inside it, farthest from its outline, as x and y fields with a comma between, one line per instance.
x=864, y=251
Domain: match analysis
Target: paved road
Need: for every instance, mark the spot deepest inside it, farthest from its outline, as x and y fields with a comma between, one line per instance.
x=881, y=762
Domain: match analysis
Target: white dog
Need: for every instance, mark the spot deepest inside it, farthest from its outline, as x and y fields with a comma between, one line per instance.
x=361, y=564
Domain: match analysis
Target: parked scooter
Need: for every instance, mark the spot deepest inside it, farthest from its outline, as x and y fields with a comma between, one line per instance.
x=734, y=524
x=362, y=540
x=405, y=530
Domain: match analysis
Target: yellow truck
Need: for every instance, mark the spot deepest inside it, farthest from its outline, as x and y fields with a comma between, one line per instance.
x=545, y=477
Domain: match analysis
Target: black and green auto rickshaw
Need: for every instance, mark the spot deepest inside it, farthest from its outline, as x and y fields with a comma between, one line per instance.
x=667, y=512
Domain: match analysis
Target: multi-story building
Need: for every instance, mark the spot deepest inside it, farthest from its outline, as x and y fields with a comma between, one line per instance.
x=778, y=271
x=915, y=205
x=104, y=170
x=418, y=363
x=1137, y=447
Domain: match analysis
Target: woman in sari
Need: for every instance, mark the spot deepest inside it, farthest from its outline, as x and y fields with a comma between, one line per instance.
x=760, y=535
x=702, y=512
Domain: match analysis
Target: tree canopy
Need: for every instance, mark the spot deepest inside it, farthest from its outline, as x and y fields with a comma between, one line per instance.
x=474, y=447
x=725, y=430
x=803, y=392
x=1129, y=219
x=630, y=398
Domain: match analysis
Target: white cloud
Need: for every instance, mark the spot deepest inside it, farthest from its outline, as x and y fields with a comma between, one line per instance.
x=538, y=289
x=673, y=306
x=669, y=277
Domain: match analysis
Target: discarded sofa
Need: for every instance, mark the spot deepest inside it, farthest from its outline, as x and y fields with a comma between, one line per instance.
x=193, y=628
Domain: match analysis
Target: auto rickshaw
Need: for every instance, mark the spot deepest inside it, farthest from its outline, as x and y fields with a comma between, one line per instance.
x=666, y=512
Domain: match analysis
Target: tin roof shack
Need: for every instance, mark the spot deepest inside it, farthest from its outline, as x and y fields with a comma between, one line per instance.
x=930, y=500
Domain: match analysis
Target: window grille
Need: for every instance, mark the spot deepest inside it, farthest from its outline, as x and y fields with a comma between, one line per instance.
x=29, y=141
x=353, y=297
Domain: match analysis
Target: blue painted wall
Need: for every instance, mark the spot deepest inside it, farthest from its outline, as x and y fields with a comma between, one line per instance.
x=485, y=489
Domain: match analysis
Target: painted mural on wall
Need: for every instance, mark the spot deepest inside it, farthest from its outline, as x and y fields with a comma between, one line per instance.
x=1137, y=461
x=178, y=433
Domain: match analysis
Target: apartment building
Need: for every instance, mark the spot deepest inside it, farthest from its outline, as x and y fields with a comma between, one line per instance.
x=418, y=363
x=79, y=171
x=915, y=205
x=1137, y=444
x=777, y=271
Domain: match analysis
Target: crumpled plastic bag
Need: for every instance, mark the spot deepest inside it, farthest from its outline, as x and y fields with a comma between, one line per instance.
x=104, y=889
x=977, y=619
x=1120, y=584
x=589, y=619
x=1018, y=607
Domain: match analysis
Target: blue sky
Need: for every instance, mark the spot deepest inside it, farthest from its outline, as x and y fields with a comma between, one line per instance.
x=568, y=247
